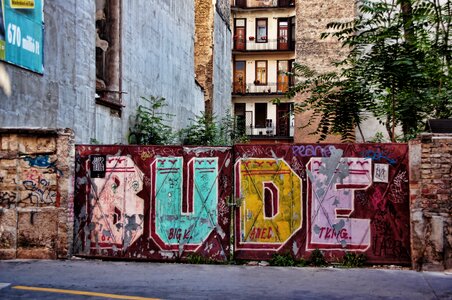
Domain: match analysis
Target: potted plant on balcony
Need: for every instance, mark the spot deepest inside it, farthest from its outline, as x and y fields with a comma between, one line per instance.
x=251, y=38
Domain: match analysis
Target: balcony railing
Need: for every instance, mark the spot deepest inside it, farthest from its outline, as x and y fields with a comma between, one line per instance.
x=262, y=3
x=255, y=88
x=270, y=130
x=241, y=44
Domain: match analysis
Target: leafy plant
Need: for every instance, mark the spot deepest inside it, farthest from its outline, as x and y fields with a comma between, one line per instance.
x=282, y=260
x=317, y=259
x=198, y=259
x=286, y=260
x=94, y=141
x=378, y=138
x=353, y=260
x=150, y=124
x=207, y=131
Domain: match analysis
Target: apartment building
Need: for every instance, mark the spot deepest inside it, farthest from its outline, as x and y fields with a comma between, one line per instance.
x=263, y=52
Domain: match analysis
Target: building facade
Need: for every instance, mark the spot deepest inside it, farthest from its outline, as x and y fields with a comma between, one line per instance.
x=100, y=57
x=269, y=36
x=263, y=53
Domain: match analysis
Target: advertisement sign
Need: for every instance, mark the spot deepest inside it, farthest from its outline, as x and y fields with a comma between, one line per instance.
x=21, y=33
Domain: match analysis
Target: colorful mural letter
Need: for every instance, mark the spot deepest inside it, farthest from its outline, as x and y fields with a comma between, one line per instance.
x=271, y=207
x=331, y=187
x=183, y=220
x=117, y=211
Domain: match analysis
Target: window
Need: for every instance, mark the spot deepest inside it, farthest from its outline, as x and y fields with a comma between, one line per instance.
x=240, y=34
x=261, y=72
x=283, y=78
x=239, y=77
x=240, y=120
x=108, y=58
x=260, y=114
x=261, y=31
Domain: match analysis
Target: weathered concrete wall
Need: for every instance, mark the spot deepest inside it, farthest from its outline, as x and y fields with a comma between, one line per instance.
x=157, y=59
x=222, y=70
x=312, y=18
x=36, y=193
x=64, y=95
x=431, y=201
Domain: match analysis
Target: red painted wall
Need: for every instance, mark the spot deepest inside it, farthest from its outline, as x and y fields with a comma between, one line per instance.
x=169, y=202
x=152, y=202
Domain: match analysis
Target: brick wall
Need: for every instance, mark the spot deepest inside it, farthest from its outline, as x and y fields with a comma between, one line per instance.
x=204, y=22
x=431, y=201
x=318, y=54
x=36, y=194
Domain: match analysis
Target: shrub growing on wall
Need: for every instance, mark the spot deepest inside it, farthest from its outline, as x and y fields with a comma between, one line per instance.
x=207, y=130
x=150, y=124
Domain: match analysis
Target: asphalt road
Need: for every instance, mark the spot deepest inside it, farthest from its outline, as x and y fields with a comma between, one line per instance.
x=94, y=279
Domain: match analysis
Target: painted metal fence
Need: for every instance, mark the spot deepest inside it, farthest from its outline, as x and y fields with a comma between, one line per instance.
x=165, y=203
x=157, y=203
x=337, y=198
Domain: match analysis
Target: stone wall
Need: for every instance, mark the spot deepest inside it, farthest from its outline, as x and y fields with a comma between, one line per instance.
x=36, y=193
x=431, y=202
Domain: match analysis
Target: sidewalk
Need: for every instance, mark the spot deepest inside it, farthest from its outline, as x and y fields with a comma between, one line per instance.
x=183, y=281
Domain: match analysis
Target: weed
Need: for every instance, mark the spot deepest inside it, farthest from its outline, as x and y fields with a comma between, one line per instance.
x=353, y=260
x=282, y=260
x=150, y=125
x=317, y=259
x=286, y=260
x=198, y=259
x=206, y=130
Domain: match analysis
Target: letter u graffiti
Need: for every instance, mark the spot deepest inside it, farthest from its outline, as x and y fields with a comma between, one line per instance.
x=271, y=209
x=183, y=206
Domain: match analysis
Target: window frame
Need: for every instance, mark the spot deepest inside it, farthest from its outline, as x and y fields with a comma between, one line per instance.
x=110, y=93
x=256, y=80
x=257, y=30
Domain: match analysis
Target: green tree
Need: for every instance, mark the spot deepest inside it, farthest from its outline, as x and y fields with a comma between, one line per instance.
x=398, y=68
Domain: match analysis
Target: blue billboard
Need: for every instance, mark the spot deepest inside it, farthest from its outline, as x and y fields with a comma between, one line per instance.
x=21, y=33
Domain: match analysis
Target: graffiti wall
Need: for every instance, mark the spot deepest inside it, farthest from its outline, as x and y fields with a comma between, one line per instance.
x=336, y=198
x=158, y=203
x=167, y=203
x=36, y=176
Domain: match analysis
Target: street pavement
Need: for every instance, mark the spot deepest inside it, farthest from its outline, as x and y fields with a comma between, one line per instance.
x=95, y=279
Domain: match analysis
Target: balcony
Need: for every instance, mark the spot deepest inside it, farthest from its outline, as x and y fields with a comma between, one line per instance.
x=255, y=88
x=281, y=44
x=284, y=131
x=261, y=4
